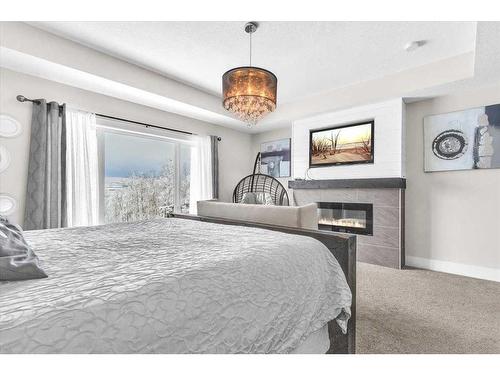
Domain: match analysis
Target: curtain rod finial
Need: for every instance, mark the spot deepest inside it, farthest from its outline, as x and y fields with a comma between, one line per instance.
x=22, y=99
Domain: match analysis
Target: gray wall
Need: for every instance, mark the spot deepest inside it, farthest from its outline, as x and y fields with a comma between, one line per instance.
x=452, y=218
x=235, y=159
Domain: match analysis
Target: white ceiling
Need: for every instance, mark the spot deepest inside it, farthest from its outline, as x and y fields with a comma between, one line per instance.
x=309, y=58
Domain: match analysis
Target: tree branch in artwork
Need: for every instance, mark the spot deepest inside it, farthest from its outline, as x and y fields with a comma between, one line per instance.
x=324, y=147
x=334, y=142
x=366, y=146
x=320, y=147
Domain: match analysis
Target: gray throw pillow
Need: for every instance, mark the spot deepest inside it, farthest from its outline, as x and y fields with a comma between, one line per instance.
x=17, y=260
x=264, y=198
x=248, y=198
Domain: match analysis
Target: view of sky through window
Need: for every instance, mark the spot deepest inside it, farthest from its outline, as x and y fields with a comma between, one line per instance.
x=128, y=154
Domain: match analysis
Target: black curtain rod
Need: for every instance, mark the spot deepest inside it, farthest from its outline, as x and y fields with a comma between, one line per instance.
x=23, y=99
x=143, y=124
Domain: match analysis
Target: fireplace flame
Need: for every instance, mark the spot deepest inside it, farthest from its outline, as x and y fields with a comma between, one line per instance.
x=353, y=223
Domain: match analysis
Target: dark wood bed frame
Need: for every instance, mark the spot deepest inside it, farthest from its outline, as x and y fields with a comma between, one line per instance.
x=342, y=246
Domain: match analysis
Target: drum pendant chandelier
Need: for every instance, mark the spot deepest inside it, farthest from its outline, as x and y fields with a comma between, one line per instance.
x=248, y=91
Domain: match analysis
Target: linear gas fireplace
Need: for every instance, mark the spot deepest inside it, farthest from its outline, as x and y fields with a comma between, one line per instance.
x=354, y=218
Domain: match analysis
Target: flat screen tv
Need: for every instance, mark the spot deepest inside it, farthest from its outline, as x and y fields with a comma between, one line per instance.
x=339, y=145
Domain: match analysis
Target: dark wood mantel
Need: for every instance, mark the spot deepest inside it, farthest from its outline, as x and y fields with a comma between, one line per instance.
x=354, y=183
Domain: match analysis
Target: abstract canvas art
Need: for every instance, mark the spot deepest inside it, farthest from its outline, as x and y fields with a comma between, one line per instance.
x=275, y=158
x=468, y=139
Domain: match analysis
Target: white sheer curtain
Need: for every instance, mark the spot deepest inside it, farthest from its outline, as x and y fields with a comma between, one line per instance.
x=201, y=172
x=82, y=176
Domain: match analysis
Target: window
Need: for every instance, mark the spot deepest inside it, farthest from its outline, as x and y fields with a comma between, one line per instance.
x=142, y=176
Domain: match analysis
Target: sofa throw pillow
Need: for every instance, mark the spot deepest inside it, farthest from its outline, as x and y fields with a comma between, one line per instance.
x=17, y=260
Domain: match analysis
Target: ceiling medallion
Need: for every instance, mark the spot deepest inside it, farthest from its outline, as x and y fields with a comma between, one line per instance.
x=248, y=91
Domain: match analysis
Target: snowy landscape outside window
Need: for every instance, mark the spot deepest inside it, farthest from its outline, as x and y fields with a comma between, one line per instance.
x=144, y=177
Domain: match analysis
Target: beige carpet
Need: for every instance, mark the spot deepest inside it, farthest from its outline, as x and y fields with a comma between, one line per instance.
x=418, y=311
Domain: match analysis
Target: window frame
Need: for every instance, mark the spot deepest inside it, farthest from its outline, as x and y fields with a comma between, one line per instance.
x=125, y=128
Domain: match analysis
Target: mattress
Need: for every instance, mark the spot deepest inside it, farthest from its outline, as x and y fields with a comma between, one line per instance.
x=172, y=286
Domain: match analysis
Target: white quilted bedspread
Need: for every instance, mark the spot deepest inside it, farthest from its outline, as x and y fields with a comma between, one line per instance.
x=172, y=286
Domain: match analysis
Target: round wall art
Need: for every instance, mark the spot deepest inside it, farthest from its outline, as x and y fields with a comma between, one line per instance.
x=7, y=204
x=4, y=159
x=450, y=144
x=9, y=126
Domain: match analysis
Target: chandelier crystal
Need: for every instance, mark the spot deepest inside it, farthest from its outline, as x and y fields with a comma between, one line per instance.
x=248, y=91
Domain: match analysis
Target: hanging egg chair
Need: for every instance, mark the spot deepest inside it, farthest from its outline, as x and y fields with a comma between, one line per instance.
x=261, y=183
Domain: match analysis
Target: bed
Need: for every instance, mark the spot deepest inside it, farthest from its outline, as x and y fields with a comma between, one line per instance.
x=183, y=285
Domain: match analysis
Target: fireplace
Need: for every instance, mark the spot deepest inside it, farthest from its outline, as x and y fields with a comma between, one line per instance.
x=383, y=242
x=354, y=218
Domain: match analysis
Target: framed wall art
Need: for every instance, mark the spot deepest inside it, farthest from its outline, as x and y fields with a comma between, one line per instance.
x=275, y=158
x=468, y=139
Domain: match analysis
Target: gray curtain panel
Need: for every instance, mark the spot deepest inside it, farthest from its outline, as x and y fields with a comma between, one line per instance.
x=214, y=142
x=45, y=195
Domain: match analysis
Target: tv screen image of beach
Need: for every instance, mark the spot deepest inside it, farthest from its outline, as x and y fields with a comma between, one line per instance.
x=348, y=144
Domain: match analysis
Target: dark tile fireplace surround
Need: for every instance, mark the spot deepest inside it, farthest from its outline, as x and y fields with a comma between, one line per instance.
x=373, y=209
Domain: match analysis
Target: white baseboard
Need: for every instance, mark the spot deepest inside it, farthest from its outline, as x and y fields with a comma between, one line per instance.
x=478, y=272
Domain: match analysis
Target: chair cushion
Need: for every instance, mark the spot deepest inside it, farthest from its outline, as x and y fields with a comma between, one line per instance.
x=264, y=198
x=249, y=198
x=258, y=198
